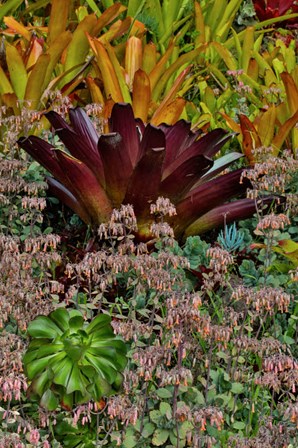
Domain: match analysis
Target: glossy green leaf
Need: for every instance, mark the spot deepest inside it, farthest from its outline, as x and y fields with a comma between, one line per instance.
x=49, y=401
x=43, y=327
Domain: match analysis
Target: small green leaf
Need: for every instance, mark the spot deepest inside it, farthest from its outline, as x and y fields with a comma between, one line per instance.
x=165, y=409
x=155, y=416
x=237, y=388
x=129, y=442
x=164, y=393
x=148, y=429
x=160, y=436
x=239, y=425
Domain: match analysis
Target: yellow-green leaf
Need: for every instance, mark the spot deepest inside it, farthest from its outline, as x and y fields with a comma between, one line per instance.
x=17, y=71
x=36, y=81
x=58, y=18
x=79, y=46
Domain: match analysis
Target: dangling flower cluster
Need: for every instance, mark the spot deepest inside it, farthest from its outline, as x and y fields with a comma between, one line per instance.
x=267, y=298
x=273, y=222
x=120, y=407
x=219, y=264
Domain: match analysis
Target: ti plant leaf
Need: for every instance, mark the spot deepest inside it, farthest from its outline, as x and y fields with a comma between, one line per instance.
x=136, y=163
x=71, y=361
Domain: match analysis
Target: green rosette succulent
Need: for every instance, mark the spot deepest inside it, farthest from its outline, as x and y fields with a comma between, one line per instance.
x=71, y=361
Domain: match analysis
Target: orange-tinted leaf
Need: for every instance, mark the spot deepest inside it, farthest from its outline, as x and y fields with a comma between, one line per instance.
x=133, y=58
x=96, y=94
x=120, y=73
x=149, y=57
x=200, y=24
x=170, y=96
x=17, y=27
x=186, y=58
x=283, y=132
x=108, y=16
x=253, y=69
x=168, y=113
x=291, y=90
x=251, y=139
x=266, y=126
x=33, y=52
x=160, y=67
x=116, y=30
x=58, y=18
x=109, y=77
x=11, y=100
x=141, y=94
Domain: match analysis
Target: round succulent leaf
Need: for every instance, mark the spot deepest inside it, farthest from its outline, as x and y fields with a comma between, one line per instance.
x=66, y=401
x=49, y=349
x=100, y=321
x=49, y=401
x=76, y=323
x=102, y=333
x=118, y=382
x=62, y=371
x=75, y=347
x=100, y=388
x=36, y=366
x=77, y=381
x=60, y=317
x=118, y=360
x=73, y=313
x=43, y=327
x=88, y=371
x=103, y=366
x=41, y=383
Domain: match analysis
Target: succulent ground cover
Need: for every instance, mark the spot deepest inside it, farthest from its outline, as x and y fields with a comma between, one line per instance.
x=148, y=224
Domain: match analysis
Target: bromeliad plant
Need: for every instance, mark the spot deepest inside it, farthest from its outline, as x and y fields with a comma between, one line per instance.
x=70, y=361
x=269, y=9
x=135, y=164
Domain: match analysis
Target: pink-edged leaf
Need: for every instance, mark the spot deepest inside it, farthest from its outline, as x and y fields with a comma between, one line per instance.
x=180, y=181
x=210, y=195
x=79, y=141
x=144, y=185
x=178, y=137
x=86, y=187
x=208, y=145
x=122, y=121
x=65, y=196
x=227, y=213
x=117, y=166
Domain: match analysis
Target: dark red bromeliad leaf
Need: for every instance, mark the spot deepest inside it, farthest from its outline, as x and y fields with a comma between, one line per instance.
x=135, y=164
x=269, y=9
